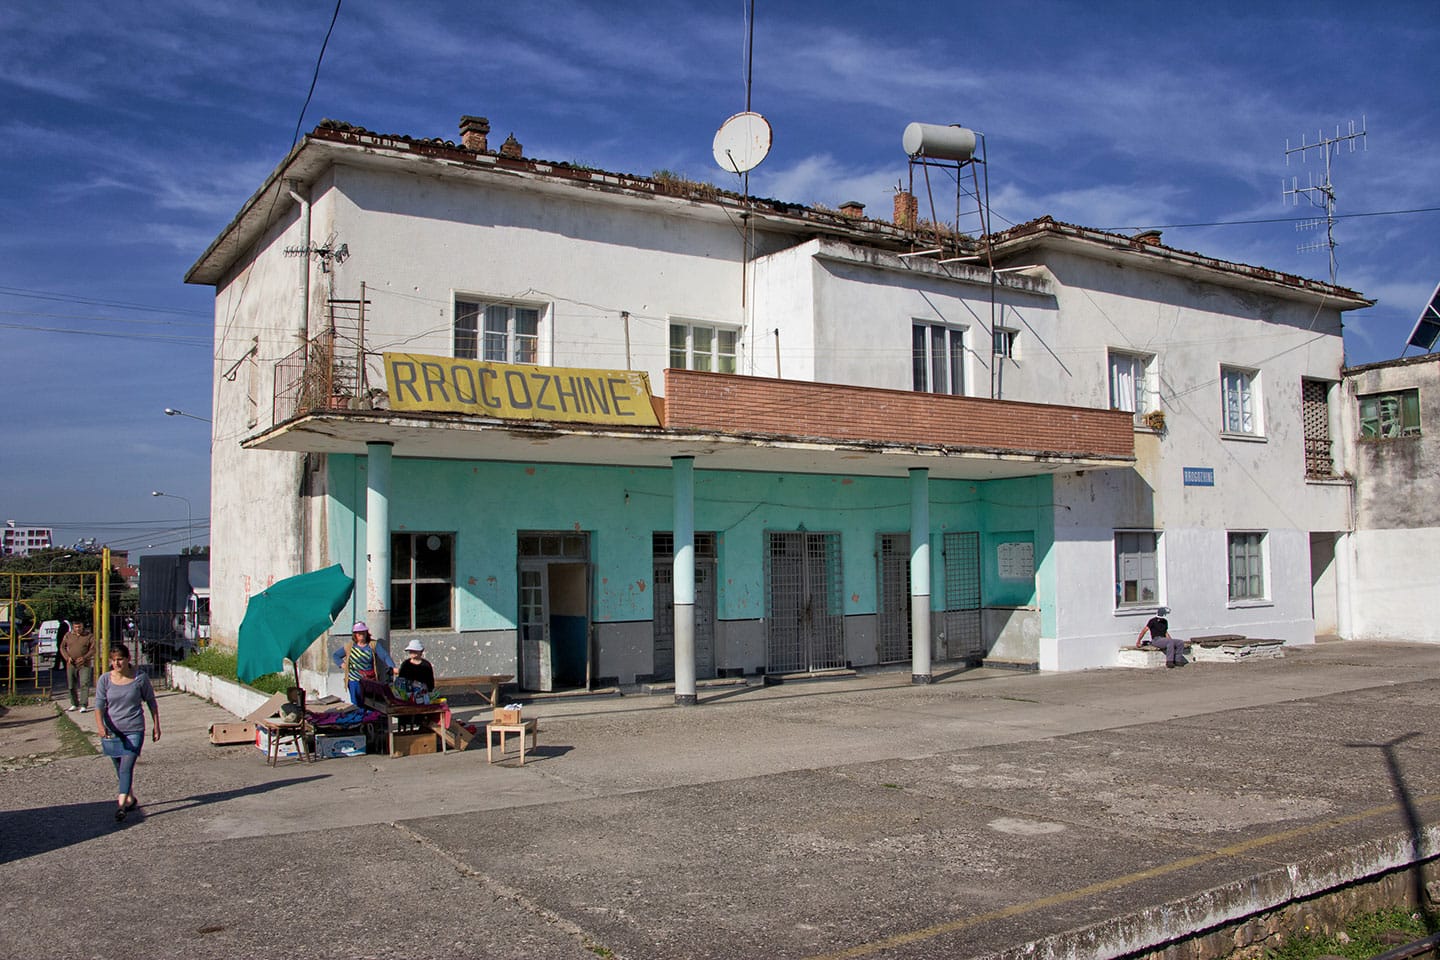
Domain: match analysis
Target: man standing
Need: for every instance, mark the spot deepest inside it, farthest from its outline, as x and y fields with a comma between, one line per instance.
x=78, y=652
x=1159, y=629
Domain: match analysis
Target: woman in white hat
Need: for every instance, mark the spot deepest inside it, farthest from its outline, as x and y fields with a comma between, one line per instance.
x=415, y=668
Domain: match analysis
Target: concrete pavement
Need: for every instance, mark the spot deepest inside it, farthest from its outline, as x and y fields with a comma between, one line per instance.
x=990, y=814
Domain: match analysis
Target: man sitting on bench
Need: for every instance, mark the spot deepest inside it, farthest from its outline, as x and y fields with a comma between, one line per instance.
x=1159, y=629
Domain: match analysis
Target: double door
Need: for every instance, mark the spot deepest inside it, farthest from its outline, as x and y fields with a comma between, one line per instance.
x=804, y=602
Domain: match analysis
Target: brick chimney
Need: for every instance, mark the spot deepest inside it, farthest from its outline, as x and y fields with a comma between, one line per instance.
x=1149, y=238
x=907, y=210
x=511, y=148
x=852, y=208
x=475, y=133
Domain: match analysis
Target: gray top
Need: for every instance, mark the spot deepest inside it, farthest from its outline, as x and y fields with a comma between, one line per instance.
x=121, y=705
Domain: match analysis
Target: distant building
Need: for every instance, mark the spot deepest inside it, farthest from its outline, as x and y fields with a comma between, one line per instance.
x=17, y=541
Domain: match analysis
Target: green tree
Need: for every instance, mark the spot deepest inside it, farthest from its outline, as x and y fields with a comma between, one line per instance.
x=60, y=584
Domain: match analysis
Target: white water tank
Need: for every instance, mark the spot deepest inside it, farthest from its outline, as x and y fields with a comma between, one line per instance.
x=935, y=141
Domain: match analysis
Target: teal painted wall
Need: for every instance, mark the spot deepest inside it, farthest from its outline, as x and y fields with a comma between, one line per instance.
x=486, y=503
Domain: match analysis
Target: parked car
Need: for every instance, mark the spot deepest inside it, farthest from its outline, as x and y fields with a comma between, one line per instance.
x=47, y=642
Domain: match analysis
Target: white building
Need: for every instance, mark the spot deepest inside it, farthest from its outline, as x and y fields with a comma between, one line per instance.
x=818, y=503
x=17, y=541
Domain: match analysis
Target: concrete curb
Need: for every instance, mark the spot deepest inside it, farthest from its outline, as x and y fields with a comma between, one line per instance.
x=1229, y=904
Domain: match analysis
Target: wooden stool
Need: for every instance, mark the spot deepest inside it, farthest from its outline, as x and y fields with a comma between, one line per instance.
x=278, y=732
x=502, y=729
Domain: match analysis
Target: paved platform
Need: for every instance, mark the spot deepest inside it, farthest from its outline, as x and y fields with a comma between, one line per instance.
x=990, y=814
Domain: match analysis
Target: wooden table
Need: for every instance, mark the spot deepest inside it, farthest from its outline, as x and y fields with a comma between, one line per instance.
x=484, y=685
x=502, y=730
x=281, y=730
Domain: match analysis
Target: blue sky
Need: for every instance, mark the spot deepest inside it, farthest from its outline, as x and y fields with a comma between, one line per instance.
x=130, y=134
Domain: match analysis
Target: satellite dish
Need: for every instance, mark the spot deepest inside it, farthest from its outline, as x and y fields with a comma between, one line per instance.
x=742, y=142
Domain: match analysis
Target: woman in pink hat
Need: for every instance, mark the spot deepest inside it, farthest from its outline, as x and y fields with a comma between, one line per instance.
x=361, y=659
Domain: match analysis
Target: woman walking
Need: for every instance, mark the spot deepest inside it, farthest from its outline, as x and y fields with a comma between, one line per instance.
x=119, y=698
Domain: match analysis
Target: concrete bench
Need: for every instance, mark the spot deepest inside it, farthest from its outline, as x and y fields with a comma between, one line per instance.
x=1219, y=648
x=1234, y=649
x=1143, y=656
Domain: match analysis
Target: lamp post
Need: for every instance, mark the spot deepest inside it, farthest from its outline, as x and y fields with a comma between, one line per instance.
x=189, y=518
x=172, y=412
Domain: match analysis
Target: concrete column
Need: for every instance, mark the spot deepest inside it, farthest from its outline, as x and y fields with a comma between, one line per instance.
x=683, y=478
x=377, y=540
x=1344, y=585
x=920, y=575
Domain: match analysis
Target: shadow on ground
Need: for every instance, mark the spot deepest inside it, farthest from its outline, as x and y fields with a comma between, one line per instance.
x=38, y=830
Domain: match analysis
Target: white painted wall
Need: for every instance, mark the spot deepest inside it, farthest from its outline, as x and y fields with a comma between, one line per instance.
x=1191, y=328
x=1397, y=594
x=419, y=241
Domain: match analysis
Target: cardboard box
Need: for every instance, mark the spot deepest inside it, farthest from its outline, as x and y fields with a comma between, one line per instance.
x=229, y=733
x=353, y=746
x=262, y=740
x=459, y=736
x=415, y=744
x=506, y=715
x=270, y=708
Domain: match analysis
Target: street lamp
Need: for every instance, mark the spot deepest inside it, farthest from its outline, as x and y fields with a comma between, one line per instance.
x=172, y=412
x=189, y=518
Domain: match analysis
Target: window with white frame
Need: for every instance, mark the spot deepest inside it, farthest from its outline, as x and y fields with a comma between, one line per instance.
x=938, y=358
x=499, y=332
x=1240, y=401
x=1137, y=568
x=422, y=581
x=1385, y=416
x=1004, y=342
x=1131, y=389
x=700, y=346
x=1247, y=566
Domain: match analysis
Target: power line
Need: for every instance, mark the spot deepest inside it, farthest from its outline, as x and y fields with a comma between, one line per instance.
x=96, y=302
x=179, y=341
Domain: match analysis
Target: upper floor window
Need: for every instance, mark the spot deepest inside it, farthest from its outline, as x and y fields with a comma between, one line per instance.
x=698, y=346
x=1240, y=401
x=938, y=358
x=1387, y=415
x=1131, y=389
x=1315, y=411
x=1004, y=342
x=499, y=332
x=1247, y=566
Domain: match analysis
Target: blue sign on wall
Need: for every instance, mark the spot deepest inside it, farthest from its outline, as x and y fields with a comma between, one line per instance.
x=1199, y=476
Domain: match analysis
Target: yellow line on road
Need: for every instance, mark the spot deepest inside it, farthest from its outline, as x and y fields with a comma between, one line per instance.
x=1234, y=849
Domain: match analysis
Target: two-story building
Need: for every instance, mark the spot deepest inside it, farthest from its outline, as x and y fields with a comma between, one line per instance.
x=819, y=440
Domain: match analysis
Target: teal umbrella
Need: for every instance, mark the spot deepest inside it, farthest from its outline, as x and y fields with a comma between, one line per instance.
x=283, y=620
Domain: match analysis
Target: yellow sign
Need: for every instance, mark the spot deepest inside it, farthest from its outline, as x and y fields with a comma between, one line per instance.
x=514, y=391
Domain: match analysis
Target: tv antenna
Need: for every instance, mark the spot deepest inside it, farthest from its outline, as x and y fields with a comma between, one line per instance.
x=326, y=253
x=1324, y=190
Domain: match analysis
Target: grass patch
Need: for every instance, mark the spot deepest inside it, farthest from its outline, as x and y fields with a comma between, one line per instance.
x=220, y=663
x=1364, y=936
x=19, y=700
x=73, y=741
